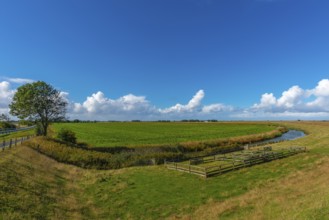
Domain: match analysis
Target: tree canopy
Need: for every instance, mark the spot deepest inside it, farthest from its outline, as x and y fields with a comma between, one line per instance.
x=39, y=102
x=4, y=117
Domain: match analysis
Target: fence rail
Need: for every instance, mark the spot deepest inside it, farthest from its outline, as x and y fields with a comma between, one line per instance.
x=8, y=131
x=13, y=142
x=233, y=161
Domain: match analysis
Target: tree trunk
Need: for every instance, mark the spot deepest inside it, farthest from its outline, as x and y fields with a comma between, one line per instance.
x=44, y=129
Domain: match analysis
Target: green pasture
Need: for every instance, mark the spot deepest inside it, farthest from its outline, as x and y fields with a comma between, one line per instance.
x=133, y=134
x=33, y=186
x=17, y=134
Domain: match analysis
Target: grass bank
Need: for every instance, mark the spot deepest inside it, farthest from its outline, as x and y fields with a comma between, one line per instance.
x=290, y=188
x=17, y=134
x=33, y=186
x=119, y=157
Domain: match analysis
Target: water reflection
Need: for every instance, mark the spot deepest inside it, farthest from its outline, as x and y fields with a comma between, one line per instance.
x=288, y=136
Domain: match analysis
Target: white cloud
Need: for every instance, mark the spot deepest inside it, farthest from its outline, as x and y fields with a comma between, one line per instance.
x=18, y=80
x=192, y=105
x=267, y=101
x=321, y=94
x=6, y=95
x=65, y=96
x=286, y=115
x=320, y=104
x=215, y=108
x=291, y=97
x=195, y=102
x=138, y=107
x=99, y=107
x=293, y=103
x=288, y=100
x=322, y=89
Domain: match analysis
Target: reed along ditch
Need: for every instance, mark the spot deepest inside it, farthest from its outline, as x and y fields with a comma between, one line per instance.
x=120, y=157
x=288, y=136
x=159, y=154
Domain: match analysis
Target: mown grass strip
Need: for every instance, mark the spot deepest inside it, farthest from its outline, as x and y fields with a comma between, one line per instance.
x=137, y=134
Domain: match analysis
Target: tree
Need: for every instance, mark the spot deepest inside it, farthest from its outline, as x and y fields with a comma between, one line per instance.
x=40, y=102
x=5, y=122
x=4, y=117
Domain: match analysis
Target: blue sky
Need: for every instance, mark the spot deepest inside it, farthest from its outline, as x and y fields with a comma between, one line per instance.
x=147, y=59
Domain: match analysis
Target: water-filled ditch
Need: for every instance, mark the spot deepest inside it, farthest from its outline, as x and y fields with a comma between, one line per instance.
x=288, y=136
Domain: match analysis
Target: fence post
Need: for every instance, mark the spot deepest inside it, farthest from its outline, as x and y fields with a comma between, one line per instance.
x=15, y=142
x=10, y=143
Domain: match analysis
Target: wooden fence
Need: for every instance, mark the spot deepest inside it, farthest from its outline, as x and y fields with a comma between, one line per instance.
x=13, y=142
x=12, y=130
x=232, y=161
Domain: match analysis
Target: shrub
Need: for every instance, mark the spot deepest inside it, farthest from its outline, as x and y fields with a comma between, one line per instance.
x=6, y=125
x=71, y=155
x=67, y=135
x=26, y=122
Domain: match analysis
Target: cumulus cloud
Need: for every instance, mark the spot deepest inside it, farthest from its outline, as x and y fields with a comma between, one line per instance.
x=294, y=102
x=267, y=101
x=138, y=107
x=321, y=94
x=192, y=105
x=6, y=95
x=216, y=108
x=291, y=97
x=195, y=108
x=18, y=80
x=288, y=100
x=98, y=106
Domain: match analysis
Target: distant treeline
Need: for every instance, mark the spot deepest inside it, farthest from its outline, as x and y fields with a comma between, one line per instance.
x=96, y=121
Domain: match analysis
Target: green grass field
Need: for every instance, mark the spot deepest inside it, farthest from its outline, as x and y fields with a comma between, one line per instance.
x=16, y=134
x=291, y=188
x=132, y=134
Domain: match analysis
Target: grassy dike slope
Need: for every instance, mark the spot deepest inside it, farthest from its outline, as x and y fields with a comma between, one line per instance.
x=290, y=188
x=33, y=186
x=301, y=194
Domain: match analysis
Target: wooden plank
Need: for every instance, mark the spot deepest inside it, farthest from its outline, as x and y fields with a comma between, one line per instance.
x=238, y=160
